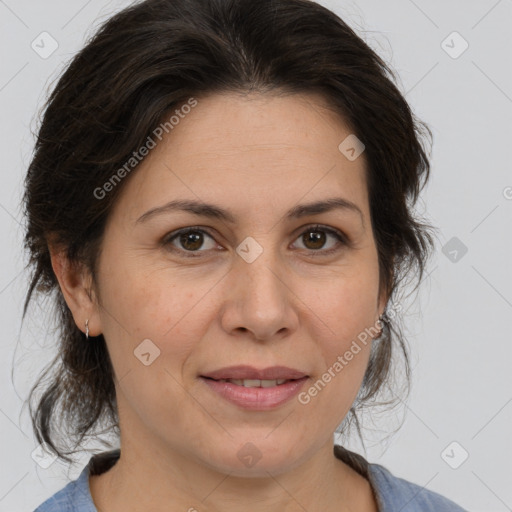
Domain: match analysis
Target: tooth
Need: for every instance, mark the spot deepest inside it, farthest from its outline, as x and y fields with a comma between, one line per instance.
x=252, y=383
x=255, y=383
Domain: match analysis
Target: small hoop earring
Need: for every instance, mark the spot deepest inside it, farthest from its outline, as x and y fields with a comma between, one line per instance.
x=87, y=329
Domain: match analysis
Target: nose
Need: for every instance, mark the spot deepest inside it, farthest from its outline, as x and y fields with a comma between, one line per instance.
x=260, y=300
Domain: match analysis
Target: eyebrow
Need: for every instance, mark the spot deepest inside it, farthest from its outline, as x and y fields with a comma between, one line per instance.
x=216, y=212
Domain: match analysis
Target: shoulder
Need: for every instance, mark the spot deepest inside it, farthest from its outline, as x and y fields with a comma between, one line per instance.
x=74, y=497
x=398, y=494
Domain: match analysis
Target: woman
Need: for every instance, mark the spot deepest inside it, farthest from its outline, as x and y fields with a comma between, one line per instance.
x=221, y=196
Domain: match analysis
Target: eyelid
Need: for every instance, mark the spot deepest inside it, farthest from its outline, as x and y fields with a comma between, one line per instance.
x=341, y=237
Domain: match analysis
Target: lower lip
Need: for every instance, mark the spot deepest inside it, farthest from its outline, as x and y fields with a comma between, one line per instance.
x=259, y=399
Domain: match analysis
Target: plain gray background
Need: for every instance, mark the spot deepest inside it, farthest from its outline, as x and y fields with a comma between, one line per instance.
x=458, y=329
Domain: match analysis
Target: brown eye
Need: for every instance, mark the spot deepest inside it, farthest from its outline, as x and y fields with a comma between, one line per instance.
x=315, y=238
x=191, y=240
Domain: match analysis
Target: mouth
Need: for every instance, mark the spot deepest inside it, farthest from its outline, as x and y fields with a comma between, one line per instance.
x=254, y=383
x=250, y=388
x=250, y=373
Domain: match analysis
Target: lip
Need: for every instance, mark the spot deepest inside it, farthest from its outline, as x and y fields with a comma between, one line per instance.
x=249, y=372
x=256, y=399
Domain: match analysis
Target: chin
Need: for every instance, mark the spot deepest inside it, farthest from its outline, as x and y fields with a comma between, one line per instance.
x=254, y=460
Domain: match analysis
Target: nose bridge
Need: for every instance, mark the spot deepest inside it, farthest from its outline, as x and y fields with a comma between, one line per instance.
x=260, y=300
x=259, y=264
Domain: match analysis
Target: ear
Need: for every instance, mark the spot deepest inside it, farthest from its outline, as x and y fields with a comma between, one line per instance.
x=384, y=296
x=76, y=285
x=383, y=300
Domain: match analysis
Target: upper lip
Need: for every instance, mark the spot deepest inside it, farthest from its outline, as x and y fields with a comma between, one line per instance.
x=249, y=372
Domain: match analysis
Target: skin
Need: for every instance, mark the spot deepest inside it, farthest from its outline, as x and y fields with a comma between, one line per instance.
x=258, y=156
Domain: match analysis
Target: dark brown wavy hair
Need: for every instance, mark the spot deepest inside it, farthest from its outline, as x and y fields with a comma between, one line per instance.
x=139, y=66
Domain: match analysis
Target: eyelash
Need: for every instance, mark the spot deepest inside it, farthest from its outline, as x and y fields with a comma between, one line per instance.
x=341, y=238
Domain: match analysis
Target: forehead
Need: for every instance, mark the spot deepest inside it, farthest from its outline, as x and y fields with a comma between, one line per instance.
x=253, y=151
x=230, y=123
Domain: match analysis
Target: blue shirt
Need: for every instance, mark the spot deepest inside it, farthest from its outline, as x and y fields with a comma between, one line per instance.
x=392, y=494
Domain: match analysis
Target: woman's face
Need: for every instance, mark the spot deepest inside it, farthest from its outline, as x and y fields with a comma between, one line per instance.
x=259, y=286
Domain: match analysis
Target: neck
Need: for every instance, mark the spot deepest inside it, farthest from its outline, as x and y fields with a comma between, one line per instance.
x=145, y=478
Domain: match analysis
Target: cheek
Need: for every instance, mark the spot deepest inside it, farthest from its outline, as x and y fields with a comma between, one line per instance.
x=140, y=304
x=149, y=299
x=345, y=320
x=345, y=349
x=344, y=306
